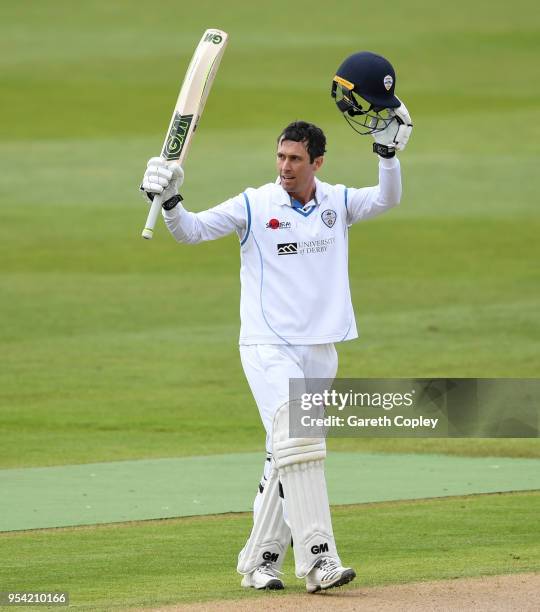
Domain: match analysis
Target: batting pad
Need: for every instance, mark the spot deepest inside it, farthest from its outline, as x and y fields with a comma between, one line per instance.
x=300, y=463
x=270, y=535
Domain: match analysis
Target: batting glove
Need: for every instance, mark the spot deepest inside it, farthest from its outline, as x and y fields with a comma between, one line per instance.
x=164, y=178
x=395, y=135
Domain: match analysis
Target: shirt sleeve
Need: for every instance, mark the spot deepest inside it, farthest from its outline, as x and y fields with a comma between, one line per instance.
x=216, y=222
x=372, y=201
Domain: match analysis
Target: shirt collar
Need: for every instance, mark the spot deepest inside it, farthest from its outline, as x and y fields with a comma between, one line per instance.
x=282, y=197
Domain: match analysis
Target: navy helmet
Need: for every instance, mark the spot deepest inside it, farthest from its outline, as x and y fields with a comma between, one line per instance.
x=364, y=86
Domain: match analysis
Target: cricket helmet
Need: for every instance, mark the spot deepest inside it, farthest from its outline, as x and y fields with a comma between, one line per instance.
x=363, y=89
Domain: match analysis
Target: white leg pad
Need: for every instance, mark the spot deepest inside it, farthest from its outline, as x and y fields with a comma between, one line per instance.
x=300, y=463
x=270, y=536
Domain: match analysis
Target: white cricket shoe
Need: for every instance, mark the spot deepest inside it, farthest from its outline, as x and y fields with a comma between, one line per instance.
x=327, y=573
x=263, y=577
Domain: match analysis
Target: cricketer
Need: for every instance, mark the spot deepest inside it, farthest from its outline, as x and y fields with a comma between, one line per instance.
x=296, y=304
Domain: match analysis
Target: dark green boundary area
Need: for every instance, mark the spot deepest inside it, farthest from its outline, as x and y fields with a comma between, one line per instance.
x=158, y=563
x=164, y=488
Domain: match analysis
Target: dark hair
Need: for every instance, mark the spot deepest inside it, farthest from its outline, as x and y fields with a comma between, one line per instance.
x=301, y=131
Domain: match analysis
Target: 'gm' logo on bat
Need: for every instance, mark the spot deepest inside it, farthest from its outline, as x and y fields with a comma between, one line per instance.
x=287, y=248
x=213, y=38
x=177, y=136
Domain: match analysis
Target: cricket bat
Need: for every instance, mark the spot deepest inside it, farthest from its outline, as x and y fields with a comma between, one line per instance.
x=189, y=107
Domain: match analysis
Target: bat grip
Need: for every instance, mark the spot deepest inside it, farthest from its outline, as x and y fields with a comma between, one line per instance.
x=148, y=230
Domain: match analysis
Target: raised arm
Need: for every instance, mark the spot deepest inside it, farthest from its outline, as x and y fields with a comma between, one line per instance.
x=185, y=226
x=372, y=201
x=216, y=222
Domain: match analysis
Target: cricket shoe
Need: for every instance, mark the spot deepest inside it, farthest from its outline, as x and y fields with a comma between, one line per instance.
x=263, y=577
x=327, y=573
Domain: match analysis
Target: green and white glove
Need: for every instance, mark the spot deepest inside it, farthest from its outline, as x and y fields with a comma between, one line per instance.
x=395, y=135
x=162, y=177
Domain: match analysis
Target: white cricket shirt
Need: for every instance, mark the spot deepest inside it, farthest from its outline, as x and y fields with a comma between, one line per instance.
x=294, y=259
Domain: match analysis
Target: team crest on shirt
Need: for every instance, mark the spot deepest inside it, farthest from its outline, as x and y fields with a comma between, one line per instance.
x=329, y=217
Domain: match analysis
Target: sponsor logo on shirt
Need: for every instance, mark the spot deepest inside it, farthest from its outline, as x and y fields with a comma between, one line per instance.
x=329, y=217
x=287, y=248
x=308, y=247
x=277, y=224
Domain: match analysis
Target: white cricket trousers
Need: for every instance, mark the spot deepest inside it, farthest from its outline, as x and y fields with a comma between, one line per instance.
x=268, y=368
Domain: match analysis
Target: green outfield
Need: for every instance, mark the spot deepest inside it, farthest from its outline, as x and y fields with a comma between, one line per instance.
x=165, y=562
x=115, y=348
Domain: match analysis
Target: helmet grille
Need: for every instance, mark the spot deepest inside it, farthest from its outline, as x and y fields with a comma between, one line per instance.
x=363, y=117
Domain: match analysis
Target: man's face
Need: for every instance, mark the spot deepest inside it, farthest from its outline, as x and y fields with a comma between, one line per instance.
x=295, y=169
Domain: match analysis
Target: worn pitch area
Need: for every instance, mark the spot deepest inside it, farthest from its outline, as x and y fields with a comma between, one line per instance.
x=494, y=593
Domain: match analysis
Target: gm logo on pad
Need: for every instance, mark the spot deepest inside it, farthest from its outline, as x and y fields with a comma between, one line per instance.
x=287, y=248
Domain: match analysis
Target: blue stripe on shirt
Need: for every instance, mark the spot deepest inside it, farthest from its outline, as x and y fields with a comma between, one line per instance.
x=248, y=207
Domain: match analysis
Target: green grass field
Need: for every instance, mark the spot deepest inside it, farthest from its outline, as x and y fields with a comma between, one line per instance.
x=154, y=563
x=116, y=348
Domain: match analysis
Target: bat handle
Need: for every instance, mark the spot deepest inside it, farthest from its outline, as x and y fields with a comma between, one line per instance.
x=148, y=230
